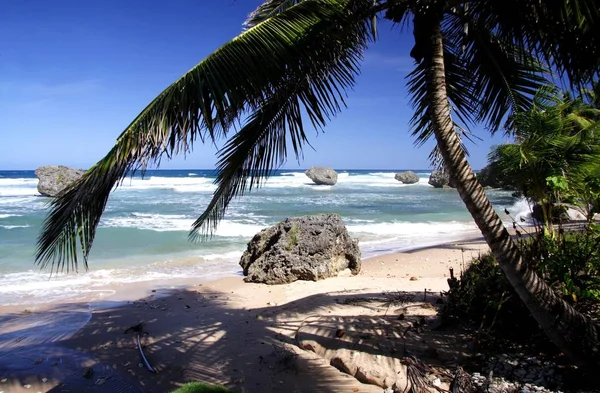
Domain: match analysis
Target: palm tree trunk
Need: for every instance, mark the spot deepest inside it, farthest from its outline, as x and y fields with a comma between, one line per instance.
x=574, y=334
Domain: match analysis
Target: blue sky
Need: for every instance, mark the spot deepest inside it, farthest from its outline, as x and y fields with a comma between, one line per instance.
x=73, y=74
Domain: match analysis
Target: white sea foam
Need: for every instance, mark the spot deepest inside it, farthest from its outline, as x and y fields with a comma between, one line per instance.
x=33, y=287
x=9, y=215
x=411, y=229
x=155, y=222
x=520, y=211
x=374, y=179
x=180, y=184
x=13, y=226
x=22, y=182
x=17, y=191
x=22, y=207
x=176, y=222
x=195, y=184
x=377, y=179
x=227, y=256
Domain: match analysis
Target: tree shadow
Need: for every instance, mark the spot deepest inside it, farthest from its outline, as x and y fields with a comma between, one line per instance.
x=191, y=335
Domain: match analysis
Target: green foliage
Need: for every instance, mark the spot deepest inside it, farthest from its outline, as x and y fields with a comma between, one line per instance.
x=570, y=263
x=483, y=297
x=557, y=183
x=556, y=156
x=293, y=238
x=201, y=387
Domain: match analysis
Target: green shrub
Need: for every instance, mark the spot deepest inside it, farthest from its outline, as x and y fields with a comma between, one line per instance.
x=201, y=387
x=570, y=263
x=484, y=299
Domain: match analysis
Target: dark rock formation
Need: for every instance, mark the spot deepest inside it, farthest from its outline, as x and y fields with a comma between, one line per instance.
x=322, y=175
x=488, y=177
x=408, y=177
x=560, y=213
x=491, y=176
x=301, y=248
x=53, y=179
x=441, y=179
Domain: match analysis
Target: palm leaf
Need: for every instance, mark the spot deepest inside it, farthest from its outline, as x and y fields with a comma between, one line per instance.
x=503, y=77
x=241, y=77
x=268, y=9
x=564, y=33
x=459, y=95
x=271, y=8
x=261, y=145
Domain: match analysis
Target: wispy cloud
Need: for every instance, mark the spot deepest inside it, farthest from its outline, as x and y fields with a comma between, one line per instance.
x=389, y=62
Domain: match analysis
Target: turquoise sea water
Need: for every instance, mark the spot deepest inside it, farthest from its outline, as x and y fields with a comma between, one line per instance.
x=143, y=233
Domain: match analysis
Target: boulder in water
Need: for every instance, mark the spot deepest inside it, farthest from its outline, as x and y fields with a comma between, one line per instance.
x=441, y=179
x=322, y=175
x=301, y=248
x=54, y=179
x=408, y=177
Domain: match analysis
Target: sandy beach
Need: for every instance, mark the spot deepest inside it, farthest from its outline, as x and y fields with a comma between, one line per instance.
x=226, y=331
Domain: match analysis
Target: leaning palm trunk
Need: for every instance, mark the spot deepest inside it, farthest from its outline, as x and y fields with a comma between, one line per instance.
x=574, y=334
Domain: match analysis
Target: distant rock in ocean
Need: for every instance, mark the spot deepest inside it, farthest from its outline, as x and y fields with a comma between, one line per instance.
x=307, y=248
x=441, y=179
x=322, y=175
x=53, y=179
x=408, y=177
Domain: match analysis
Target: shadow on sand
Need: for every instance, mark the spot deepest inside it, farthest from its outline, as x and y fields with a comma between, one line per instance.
x=197, y=336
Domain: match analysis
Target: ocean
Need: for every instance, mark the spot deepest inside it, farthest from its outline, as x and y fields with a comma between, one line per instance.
x=143, y=234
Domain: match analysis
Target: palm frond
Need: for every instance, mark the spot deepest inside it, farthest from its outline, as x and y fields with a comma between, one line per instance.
x=550, y=143
x=503, y=78
x=459, y=96
x=566, y=34
x=242, y=76
x=316, y=90
x=268, y=9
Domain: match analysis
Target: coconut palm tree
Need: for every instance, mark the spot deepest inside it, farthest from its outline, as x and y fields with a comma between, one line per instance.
x=557, y=137
x=291, y=68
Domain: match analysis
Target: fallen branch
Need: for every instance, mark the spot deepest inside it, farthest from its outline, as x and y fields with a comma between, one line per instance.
x=146, y=363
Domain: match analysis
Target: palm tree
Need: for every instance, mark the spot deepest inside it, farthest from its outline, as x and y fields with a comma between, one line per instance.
x=294, y=63
x=557, y=137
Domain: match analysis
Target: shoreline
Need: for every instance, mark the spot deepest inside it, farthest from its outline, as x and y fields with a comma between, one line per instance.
x=95, y=286
x=196, y=328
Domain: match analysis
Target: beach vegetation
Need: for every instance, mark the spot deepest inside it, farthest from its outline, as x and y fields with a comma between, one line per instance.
x=484, y=299
x=292, y=238
x=555, y=159
x=475, y=63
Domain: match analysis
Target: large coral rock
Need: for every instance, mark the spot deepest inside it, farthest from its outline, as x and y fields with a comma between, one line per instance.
x=54, y=179
x=322, y=175
x=301, y=248
x=408, y=177
x=441, y=179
